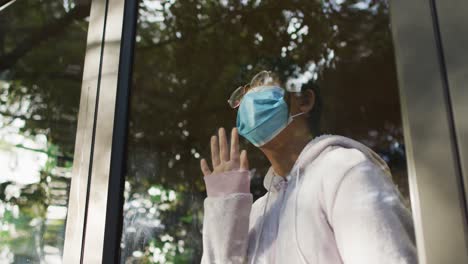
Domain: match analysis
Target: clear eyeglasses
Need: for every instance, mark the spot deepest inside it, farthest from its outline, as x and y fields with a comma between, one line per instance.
x=262, y=78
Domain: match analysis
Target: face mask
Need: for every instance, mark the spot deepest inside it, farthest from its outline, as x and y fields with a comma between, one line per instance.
x=263, y=114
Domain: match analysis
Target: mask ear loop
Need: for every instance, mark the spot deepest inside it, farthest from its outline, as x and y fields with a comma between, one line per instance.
x=261, y=225
x=288, y=99
x=298, y=114
x=297, y=190
x=288, y=94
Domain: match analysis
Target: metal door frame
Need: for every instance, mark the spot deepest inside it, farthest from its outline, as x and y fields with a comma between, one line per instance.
x=433, y=152
x=453, y=29
x=84, y=144
x=95, y=204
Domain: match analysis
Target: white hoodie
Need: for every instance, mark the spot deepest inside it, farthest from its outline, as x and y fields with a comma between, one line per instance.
x=337, y=205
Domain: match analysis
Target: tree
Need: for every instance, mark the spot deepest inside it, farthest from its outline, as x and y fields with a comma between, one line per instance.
x=41, y=61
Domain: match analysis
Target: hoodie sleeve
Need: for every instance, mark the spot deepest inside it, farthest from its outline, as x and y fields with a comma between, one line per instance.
x=226, y=218
x=369, y=220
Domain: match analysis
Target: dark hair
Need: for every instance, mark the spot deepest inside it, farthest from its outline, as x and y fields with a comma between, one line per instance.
x=316, y=112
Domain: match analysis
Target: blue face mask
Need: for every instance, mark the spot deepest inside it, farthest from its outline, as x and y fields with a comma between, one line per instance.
x=263, y=114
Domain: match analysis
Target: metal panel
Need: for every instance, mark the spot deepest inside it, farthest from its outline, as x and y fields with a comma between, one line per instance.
x=99, y=186
x=453, y=25
x=115, y=201
x=433, y=167
x=84, y=135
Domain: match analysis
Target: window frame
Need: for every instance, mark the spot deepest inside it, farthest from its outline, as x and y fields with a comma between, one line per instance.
x=94, y=197
x=453, y=28
x=94, y=223
x=85, y=139
x=431, y=146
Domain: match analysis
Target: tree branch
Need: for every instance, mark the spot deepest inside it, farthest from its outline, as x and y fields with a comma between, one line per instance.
x=5, y=2
x=52, y=29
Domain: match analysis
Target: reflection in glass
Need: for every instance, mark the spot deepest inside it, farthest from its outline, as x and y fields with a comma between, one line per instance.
x=191, y=55
x=42, y=46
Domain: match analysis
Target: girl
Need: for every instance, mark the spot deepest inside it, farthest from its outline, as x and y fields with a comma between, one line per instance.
x=330, y=199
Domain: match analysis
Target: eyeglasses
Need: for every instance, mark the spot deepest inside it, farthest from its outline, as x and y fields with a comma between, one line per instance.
x=260, y=79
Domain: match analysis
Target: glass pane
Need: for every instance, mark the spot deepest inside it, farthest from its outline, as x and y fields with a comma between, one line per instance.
x=191, y=55
x=42, y=48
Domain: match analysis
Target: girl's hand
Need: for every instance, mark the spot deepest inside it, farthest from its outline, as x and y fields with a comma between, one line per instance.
x=222, y=159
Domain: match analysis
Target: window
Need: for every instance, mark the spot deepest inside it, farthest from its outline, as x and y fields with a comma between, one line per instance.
x=190, y=56
x=100, y=157
x=41, y=65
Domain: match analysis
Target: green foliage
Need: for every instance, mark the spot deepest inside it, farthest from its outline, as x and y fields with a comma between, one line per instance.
x=26, y=228
x=42, y=46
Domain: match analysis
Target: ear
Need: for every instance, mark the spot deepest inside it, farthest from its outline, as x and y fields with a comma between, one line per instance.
x=307, y=100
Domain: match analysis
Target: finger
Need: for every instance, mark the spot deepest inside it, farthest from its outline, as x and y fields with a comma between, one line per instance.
x=204, y=167
x=214, y=151
x=223, y=146
x=244, y=162
x=234, y=144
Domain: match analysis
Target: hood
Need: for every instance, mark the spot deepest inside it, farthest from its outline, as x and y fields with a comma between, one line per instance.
x=313, y=149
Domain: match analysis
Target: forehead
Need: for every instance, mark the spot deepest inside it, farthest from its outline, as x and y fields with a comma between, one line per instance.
x=268, y=78
x=265, y=78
